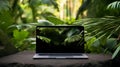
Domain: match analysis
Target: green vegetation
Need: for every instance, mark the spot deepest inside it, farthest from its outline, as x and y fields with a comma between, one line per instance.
x=101, y=19
x=61, y=36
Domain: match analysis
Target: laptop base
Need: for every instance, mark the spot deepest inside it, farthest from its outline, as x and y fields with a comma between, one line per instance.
x=62, y=56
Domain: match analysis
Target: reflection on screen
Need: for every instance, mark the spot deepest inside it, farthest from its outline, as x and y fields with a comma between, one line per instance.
x=50, y=39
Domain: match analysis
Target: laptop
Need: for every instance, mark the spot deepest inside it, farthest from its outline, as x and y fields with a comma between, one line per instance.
x=60, y=42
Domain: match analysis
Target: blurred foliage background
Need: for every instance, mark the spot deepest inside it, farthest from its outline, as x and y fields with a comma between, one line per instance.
x=101, y=19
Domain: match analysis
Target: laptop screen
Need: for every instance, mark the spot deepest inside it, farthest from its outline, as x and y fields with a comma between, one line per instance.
x=59, y=39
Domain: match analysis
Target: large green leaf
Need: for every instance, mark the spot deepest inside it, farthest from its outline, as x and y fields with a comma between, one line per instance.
x=20, y=35
x=55, y=20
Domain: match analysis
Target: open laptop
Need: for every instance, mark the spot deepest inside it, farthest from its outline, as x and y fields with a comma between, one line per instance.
x=60, y=42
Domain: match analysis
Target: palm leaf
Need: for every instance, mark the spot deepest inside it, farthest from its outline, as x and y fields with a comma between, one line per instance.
x=114, y=8
x=103, y=28
x=108, y=26
x=114, y=5
x=116, y=53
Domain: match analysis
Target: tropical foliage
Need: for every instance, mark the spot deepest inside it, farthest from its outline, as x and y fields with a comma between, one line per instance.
x=18, y=19
x=103, y=33
x=64, y=36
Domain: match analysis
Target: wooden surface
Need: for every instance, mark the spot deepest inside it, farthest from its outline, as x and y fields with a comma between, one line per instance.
x=25, y=57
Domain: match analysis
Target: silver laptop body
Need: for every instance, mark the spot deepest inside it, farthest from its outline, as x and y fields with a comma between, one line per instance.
x=60, y=42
